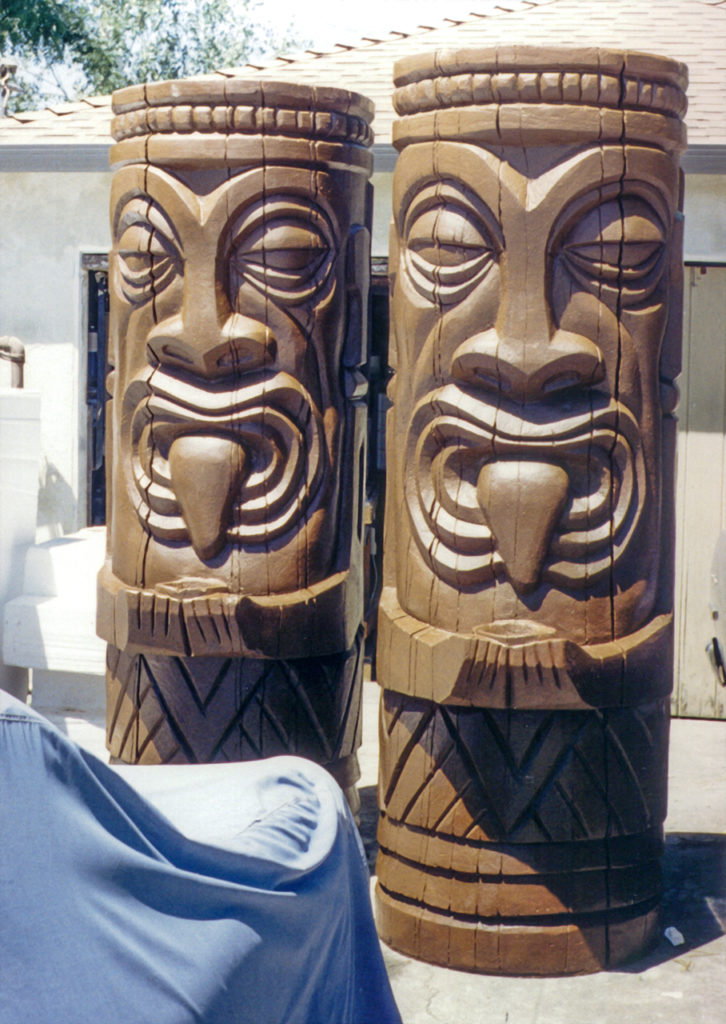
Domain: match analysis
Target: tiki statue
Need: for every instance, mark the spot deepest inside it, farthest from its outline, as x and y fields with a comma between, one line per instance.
x=231, y=598
x=525, y=635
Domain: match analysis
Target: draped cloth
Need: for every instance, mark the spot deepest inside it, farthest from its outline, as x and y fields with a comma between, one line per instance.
x=212, y=894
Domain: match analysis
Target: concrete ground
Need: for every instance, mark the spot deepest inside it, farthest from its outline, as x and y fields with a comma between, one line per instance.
x=683, y=984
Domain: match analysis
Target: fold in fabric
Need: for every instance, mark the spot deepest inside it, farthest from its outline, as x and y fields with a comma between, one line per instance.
x=247, y=901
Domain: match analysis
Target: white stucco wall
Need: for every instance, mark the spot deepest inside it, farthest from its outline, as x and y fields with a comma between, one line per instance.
x=382, y=185
x=47, y=221
x=705, y=213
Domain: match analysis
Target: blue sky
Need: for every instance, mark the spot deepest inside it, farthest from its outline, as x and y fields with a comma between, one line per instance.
x=346, y=21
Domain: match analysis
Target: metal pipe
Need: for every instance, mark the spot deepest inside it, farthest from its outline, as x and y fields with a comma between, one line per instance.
x=13, y=350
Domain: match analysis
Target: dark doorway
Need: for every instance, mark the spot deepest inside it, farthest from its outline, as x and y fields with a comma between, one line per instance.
x=96, y=369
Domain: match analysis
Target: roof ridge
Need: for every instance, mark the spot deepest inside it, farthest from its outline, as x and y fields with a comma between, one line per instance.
x=495, y=9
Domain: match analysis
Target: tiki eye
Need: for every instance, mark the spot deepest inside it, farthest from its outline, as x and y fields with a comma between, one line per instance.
x=146, y=260
x=445, y=236
x=618, y=244
x=448, y=250
x=290, y=252
x=283, y=247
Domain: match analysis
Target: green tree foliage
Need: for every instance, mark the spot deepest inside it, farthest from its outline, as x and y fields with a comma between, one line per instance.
x=49, y=27
x=68, y=48
x=48, y=32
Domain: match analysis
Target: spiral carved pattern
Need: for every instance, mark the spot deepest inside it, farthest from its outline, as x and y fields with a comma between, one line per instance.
x=453, y=435
x=276, y=426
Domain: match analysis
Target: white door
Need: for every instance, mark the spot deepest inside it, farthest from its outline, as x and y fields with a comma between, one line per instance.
x=700, y=489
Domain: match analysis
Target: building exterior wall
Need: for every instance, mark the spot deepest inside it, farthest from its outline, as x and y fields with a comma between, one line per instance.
x=705, y=213
x=48, y=220
x=701, y=490
x=382, y=184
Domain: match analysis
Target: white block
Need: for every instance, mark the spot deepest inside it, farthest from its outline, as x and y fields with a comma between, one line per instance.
x=66, y=566
x=53, y=633
x=51, y=626
x=19, y=469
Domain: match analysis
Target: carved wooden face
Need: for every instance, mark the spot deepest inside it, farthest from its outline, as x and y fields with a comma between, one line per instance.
x=229, y=303
x=529, y=309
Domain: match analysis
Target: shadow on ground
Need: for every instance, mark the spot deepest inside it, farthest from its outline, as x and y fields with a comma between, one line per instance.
x=694, y=886
x=369, y=823
x=694, y=896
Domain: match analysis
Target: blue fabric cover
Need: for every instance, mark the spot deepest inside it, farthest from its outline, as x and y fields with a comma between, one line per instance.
x=109, y=914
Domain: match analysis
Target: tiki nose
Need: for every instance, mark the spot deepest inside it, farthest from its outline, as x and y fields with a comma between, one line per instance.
x=239, y=345
x=527, y=370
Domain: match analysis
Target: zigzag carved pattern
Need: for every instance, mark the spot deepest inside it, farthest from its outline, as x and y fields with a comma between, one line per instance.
x=163, y=709
x=524, y=776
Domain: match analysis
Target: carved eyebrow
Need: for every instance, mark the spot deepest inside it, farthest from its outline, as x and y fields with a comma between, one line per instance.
x=142, y=209
x=626, y=219
x=280, y=207
x=470, y=170
x=142, y=237
x=449, y=224
x=272, y=231
x=454, y=197
x=281, y=236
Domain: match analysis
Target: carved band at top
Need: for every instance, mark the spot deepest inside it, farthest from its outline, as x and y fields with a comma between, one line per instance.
x=584, y=88
x=234, y=106
x=496, y=94
x=631, y=81
x=184, y=119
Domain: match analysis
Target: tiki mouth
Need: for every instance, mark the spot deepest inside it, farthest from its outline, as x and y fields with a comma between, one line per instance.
x=550, y=496
x=217, y=466
x=212, y=400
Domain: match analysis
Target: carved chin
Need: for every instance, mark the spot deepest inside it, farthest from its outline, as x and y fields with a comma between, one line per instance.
x=217, y=468
x=491, y=493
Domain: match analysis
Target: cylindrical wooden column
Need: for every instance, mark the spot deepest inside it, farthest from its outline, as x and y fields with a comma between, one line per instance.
x=231, y=597
x=525, y=632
